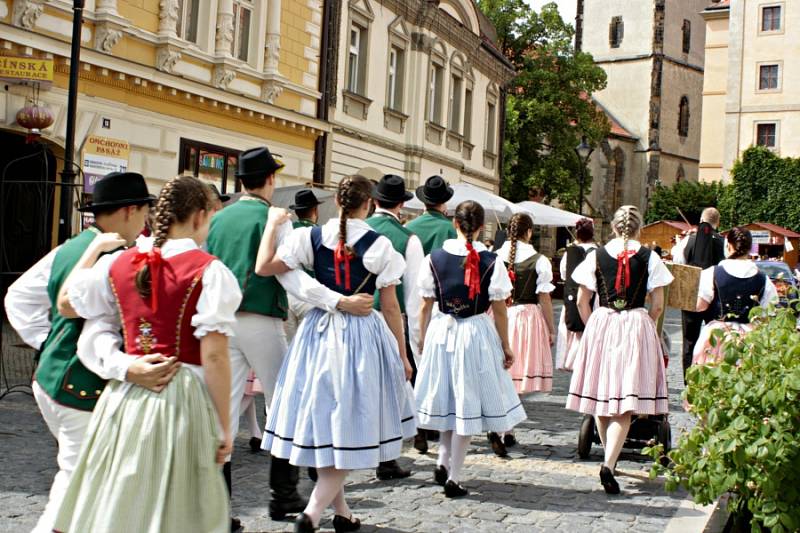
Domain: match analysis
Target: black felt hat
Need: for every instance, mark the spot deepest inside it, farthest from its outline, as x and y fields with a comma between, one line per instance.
x=304, y=199
x=435, y=191
x=257, y=162
x=119, y=189
x=392, y=189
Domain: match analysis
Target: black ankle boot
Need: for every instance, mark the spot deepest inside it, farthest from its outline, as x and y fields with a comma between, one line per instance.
x=283, y=479
x=391, y=470
x=497, y=444
x=236, y=524
x=303, y=524
x=454, y=490
x=610, y=484
x=343, y=524
x=440, y=475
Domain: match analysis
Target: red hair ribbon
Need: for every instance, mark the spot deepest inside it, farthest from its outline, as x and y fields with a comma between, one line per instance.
x=624, y=263
x=512, y=275
x=472, y=271
x=153, y=260
x=341, y=255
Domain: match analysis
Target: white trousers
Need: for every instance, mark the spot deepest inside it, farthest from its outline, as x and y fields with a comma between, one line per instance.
x=298, y=309
x=259, y=343
x=68, y=426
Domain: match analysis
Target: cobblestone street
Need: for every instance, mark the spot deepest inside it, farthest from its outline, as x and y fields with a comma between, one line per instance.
x=542, y=487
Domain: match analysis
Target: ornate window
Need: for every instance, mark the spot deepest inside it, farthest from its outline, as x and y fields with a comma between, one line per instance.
x=188, y=11
x=616, y=32
x=687, y=36
x=242, y=21
x=683, y=117
x=436, y=83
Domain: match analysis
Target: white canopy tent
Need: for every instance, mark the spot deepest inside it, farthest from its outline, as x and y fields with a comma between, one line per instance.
x=496, y=207
x=546, y=215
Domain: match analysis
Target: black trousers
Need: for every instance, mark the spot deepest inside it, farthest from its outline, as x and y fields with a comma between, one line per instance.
x=692, y=324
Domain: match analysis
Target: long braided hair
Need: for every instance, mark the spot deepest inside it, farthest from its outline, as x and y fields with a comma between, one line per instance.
x=180, y=198
x=742, y=241
x=469, y=216
x=626, y=224
x=352, y=193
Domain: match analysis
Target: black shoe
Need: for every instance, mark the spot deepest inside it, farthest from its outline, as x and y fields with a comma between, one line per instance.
x=303, y=524
x=454, y=490
x=509, y=440
x=420, y=442
x=391, y=470
x=236, y=526
x=255, y=444
x=433, y=435
x=283, y=479
x=342, y=524
x=312, y=474
x=440, y=475
x=498, y=447
x=610, y=484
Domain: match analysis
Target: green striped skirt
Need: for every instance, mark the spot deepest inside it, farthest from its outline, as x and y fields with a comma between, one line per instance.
x=148, y=463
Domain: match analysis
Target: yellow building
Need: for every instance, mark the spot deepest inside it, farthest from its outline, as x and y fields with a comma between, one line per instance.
x=751, y=91
x=185, y=84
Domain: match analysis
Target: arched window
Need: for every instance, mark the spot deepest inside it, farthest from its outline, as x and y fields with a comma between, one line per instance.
x=680, y=175
x=683, y=117
x=687, y=36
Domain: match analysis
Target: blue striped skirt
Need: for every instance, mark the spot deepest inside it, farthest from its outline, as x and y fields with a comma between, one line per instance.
x=341, y=399
x=461, y=383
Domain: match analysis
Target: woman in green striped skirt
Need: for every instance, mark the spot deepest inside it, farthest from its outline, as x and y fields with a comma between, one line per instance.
x=151, y=459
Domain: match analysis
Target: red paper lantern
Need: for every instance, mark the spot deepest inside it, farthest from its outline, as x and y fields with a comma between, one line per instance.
x=34, y=118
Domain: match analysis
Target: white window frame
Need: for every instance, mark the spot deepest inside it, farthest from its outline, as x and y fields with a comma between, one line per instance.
x=762, y=64
x=490, y=131
x=361, y=18
x=467, y=119
x=777, y=125
x=236, y=43
x=354, y=65
x=183, y=24
x=436, y=81
x=761, y=9
x=455, y=101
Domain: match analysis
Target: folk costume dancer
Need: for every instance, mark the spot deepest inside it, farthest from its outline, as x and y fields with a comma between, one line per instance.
x=730, y=291
x=463, y=387
x=172, y=298
x=306, y=208
x=704, y=248
x=433, y=227
x=342, y=402
x=530, y=316
x=390, y=195
x=65, y=387
x=619, y=369
x=260, y=339
x=570, y=325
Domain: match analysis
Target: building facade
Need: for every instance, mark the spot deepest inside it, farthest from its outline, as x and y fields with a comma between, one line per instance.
x=185, y=85
x=415, y=90
x=653, y=54
x=751, y=94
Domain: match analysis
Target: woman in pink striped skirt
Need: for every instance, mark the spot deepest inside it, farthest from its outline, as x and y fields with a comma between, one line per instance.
x=619, y=368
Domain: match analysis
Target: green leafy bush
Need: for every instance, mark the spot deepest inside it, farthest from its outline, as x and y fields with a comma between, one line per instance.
x=746, y=440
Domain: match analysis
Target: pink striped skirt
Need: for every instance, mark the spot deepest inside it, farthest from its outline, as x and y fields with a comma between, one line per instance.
x=528, y=335
x=705, y=352
x=619, y=367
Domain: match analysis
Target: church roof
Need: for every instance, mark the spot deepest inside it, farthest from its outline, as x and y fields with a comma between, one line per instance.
x=617, y=129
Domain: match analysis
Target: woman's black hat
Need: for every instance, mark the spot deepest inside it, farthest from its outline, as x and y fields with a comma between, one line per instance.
x=392, y=189
x=119, y=189
x=435, y=191
x=257, y=162
x=304, y=199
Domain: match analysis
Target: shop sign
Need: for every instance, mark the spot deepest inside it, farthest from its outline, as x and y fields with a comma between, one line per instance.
x=760, y=237
x=22, y=69
x=101, y=155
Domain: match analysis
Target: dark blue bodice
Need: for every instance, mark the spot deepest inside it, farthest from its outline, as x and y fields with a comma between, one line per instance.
x=362, y=281
x=451, y=292
x=735, y=297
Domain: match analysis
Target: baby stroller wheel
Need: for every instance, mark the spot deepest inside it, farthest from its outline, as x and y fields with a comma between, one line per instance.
x=665, y=439
x=585, y=437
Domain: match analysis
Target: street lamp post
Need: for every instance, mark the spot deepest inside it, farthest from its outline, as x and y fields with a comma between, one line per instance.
x=584, y=152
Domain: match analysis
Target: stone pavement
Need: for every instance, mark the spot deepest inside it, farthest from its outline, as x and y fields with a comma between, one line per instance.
x=542, y=487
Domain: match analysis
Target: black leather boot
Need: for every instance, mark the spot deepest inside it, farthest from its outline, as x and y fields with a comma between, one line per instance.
x=236, y=524
x=391, y=470
x=283, y=479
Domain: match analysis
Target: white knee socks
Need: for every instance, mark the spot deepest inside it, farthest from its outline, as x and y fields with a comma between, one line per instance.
x=329, y=489
x=458, y=451
x=445, y=438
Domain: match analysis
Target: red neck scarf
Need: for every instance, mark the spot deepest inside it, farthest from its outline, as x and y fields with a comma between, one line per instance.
x=154, y=261
x=342, y=255
x=624, y=263
x=472, y=271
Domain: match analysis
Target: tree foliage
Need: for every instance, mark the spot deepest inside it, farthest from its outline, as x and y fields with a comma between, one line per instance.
x=691, y=197
x=547, y=103
x=765, y=188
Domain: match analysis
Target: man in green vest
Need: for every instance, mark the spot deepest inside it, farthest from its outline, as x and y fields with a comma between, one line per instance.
x=390, y=196
x=65, y=386
x=433, y=227
x=260, y=340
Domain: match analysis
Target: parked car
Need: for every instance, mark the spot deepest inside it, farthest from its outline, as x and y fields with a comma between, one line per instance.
x=783, y=278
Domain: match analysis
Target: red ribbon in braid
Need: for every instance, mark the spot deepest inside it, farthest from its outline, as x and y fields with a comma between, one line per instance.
x=341, y=255
x=154, y=261
x=624, y=263
x=472, y=271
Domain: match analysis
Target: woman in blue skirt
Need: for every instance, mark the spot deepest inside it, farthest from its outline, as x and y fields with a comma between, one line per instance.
x=341, y=402
x=463, y=387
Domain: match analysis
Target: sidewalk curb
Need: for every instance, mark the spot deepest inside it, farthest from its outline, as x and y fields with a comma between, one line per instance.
x=694, y=518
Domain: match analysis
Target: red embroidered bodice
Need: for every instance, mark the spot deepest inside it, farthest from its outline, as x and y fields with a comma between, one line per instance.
x=167, y=330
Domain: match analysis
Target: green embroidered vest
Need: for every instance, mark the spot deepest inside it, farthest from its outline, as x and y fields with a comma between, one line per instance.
x=391, y=228
x=303, y=223
x=432, y=228
x=60, y=373
x=234, y=238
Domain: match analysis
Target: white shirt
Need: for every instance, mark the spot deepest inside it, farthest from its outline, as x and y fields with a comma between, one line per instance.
x=738, y=268
x=92, y=297
x=500, y=286
x=679, y=250
x=414, y=258
x=562, y=265
x=544, y=270
x=586, y=273
x=381, y=259
x=28, y=304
